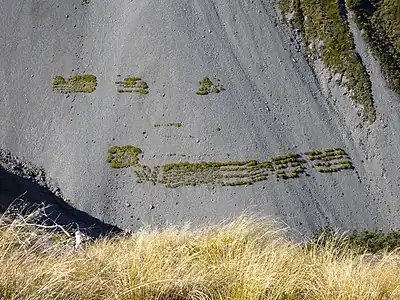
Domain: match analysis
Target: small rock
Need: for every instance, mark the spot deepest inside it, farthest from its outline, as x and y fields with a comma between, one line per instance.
x=163, y=94
x=127, y=204
x=197, y=141
x=203, y=36
x=152, y=207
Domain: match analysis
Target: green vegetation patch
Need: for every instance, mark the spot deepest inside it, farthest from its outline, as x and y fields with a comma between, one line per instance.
x=85, y=83
x=123, y=156
x=172, y=124
x=133, y=85
x=207, y=87
x=228, y=173
x=187, y=166
x=327, y=34
x=330, y=160
x=380, y=20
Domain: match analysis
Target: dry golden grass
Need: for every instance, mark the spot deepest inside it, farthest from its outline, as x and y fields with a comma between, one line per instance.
x=248, y=258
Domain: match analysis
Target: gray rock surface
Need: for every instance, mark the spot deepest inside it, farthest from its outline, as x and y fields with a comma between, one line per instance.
x=274, y=103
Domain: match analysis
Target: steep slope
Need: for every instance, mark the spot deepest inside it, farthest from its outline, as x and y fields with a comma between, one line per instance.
x=272, y=104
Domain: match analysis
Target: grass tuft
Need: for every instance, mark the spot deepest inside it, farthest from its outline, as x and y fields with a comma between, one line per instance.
x=85, y=83
x=207, y=87
x=133, y=85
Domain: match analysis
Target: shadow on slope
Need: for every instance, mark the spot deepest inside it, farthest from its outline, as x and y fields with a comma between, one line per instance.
x=30, y=193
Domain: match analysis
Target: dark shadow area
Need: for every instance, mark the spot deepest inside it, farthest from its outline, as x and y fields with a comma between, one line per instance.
x=31, y=194
x=343, y=11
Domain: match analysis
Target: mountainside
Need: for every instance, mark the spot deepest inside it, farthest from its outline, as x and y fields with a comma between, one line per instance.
x=265, y=100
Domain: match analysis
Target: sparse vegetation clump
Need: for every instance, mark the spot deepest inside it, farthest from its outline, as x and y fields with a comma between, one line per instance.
x=171, y=124
x=133, y=85
x=327, y=35
x=246, y=259
x=330, y=160
x=380, y=20
x=230, y=173
x=207, y=87
x=85, y=83
x=123, y=156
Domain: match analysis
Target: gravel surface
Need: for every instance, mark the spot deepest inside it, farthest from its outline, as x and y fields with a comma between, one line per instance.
x=274, y=103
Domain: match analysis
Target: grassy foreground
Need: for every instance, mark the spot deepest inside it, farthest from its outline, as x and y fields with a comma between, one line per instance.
x=248, y=258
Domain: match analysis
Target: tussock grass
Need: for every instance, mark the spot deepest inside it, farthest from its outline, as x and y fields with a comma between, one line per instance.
x=248, y=258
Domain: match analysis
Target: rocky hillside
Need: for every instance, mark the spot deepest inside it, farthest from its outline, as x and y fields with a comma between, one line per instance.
x=175, y=111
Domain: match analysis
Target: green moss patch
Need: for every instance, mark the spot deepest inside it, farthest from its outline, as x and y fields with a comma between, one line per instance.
x=85, y=83
x=133, y=85
x=380, y=20
x=327, y=34
x=123, y=156
x=207, y=87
